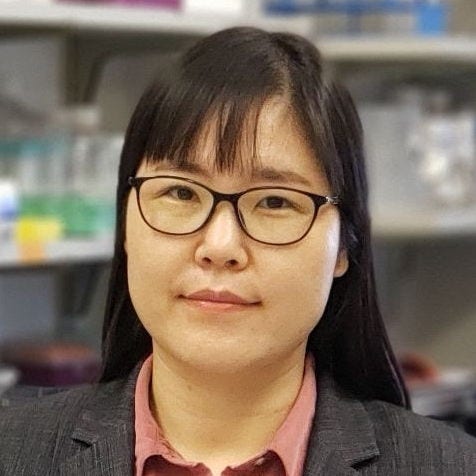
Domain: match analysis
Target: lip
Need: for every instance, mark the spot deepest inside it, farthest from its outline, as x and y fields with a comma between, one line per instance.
x=219, y=297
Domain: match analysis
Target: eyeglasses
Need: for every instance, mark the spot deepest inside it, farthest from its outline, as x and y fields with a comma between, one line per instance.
x=270, y=215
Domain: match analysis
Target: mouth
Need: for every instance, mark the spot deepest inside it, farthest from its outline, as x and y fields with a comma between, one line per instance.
x=218, y=300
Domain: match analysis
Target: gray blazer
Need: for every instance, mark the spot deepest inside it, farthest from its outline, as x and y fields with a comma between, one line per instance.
x=89, y=431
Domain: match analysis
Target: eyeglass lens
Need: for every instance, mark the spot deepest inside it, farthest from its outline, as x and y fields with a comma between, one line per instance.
x=271, y=215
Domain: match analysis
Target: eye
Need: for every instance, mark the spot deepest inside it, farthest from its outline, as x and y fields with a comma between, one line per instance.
x=181, y=193
x=274, y=202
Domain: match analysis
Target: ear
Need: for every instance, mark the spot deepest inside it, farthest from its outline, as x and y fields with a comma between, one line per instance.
x=342, y=263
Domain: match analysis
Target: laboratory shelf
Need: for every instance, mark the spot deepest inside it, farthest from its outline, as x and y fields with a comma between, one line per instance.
x=67, y=251
x=453, y=393
x=118, y=20
x=423, y=224
x=115, y=18
x=390, y=226
x=400, y=48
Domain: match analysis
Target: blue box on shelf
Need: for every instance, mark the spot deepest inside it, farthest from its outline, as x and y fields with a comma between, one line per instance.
x=432, y=18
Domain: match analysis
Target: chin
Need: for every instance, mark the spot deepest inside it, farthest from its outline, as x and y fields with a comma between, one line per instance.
x=226, y=360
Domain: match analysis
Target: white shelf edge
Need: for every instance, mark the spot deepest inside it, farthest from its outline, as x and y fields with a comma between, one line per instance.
x=421, y=224
x=396, y=48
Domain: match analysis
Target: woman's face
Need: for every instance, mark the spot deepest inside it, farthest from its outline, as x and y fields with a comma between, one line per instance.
x=284, y=288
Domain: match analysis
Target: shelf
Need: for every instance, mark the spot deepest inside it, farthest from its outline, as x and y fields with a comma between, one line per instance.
x=449, y=225
x=116, y=19
x=121, y=19
x=422, y=224
x=70, y=251
x=454, y=392
x=389, y=48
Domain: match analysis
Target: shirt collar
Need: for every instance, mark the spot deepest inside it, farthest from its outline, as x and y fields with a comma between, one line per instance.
x=289, y=442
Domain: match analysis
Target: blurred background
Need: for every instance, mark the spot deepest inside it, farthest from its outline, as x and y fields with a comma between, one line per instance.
x=70, y=74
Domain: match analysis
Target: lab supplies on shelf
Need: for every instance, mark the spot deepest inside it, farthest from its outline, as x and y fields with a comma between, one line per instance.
x=62, y=180
x=9, y=209
x=422, y=17
x=51, y=363
x=454, y=391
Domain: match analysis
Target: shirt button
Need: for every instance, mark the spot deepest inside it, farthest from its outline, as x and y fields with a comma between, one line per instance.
x=260, y=461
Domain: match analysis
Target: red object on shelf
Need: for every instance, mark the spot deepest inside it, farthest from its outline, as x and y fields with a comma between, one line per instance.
x=175, y=4
x=169, y=4
x=53, y=364
x=418, y=369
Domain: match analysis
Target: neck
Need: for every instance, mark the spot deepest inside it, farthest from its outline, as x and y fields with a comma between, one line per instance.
x=222, y=419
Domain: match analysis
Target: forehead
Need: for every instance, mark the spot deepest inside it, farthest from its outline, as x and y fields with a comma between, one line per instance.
x=271, y=146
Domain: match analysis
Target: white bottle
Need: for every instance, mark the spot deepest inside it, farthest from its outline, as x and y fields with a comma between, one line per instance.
x=9, y=208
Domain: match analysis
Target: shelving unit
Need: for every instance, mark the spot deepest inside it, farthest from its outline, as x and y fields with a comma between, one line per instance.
x=417, y=225
x=398, y=227
x=123, y=25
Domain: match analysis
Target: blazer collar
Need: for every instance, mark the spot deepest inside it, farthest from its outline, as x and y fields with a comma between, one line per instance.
x=342, y=434
x=103, y=433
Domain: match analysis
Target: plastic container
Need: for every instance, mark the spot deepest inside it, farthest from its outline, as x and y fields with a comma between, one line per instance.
x=172, y=4
x=401, y=17
x=9, y=208
x=40, y=175
x=88, y=206
x=448, y=157
x=8, y=378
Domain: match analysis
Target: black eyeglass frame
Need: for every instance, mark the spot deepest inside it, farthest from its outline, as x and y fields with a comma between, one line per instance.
x=318, y=200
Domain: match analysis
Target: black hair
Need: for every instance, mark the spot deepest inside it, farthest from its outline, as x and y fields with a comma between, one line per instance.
x=226, y=78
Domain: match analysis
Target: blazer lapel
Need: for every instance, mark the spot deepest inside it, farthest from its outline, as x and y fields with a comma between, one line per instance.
x=102, y=441
x=342, y=435
x=103, y=436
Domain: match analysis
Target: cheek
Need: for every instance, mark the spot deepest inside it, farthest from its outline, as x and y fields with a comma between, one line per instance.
x=311, y=282
x=140, y=271
x=302, y=286
x=150, y=262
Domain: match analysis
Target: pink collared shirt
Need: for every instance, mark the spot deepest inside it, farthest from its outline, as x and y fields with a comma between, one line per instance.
x=284, y=456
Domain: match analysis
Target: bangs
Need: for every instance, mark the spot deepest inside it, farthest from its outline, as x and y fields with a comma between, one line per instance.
x=205, y=105
x=215, y=93
x=221, y=131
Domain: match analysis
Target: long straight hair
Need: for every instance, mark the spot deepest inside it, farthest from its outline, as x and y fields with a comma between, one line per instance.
x=225, y=79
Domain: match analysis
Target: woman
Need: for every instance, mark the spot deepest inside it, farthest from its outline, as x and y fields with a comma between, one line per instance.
x=242, y=333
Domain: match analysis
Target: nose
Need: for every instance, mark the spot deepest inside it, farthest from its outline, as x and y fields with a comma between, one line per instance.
x=222, y=241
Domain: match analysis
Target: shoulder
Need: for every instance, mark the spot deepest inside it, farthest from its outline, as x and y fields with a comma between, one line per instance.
x=32, y=421
x=44, y=414
x=38, y=409
x=44, y=428
x=418, y=438
x=48, y=405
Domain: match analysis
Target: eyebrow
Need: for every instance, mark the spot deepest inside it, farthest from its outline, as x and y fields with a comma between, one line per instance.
x=268, y=173
x=271, y=174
